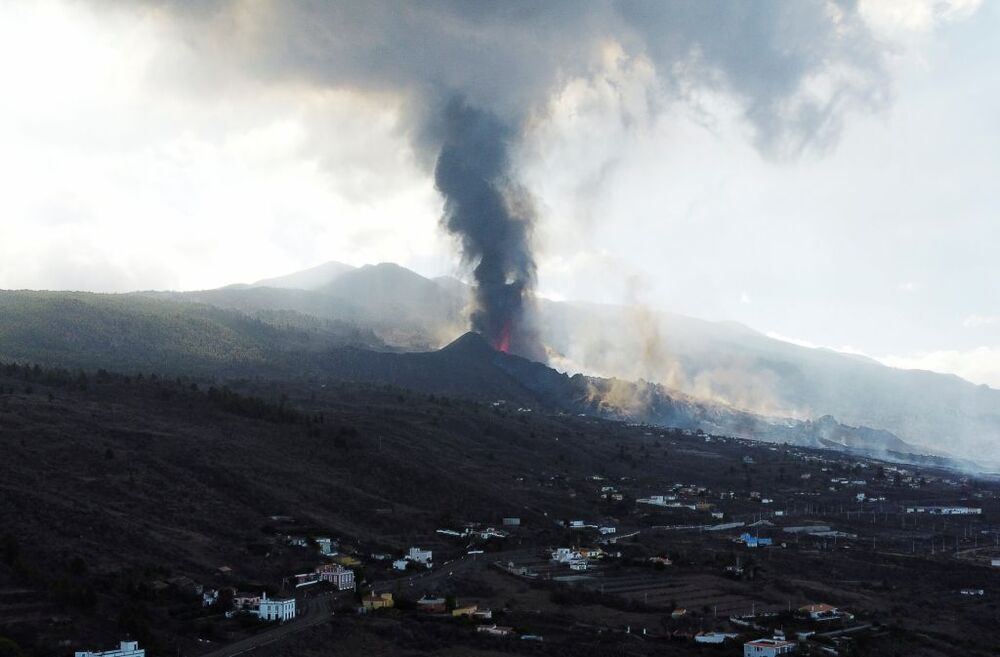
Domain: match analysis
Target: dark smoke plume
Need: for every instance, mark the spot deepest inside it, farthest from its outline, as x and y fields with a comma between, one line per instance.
x=491, y=215
x=794, y=68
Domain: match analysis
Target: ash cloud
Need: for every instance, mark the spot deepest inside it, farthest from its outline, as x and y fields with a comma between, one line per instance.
x=472, y=76
x=491, y=215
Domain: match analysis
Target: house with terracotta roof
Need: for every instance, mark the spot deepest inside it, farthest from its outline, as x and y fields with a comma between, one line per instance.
x=821, y=612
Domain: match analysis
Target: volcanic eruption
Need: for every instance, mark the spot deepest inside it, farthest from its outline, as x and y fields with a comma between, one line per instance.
x=491, y=215
x=469, y=82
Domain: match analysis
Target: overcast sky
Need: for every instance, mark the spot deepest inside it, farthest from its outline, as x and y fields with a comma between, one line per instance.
x=133, y=159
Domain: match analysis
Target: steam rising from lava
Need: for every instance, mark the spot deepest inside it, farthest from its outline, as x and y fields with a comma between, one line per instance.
x=491, y=215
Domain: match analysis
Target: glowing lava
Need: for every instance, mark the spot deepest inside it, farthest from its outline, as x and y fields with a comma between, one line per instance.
x=502, y=340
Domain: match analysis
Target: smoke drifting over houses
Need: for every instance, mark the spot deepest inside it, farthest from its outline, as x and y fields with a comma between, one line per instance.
x=472, y=77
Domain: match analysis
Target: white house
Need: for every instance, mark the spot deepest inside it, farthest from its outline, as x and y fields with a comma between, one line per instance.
x=209, y=597
x=279, y=610
x=767, y=648
x=327, y=546
x=400, y=564
x=420, y=556
x=607, y=530
x=342, y=578
x=565, y=555
x=124, y=649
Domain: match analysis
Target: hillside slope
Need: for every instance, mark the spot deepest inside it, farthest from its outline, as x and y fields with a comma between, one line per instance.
x=138, y=333
x=718, y=361
x=387, y=306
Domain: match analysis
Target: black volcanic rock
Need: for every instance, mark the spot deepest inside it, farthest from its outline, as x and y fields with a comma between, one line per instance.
x=470, y=345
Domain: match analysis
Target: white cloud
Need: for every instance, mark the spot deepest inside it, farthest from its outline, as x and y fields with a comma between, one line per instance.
x=114, y=181
x=977, y=321
x=893, y=17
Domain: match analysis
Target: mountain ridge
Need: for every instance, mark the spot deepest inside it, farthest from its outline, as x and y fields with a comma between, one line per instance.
x=722, y=362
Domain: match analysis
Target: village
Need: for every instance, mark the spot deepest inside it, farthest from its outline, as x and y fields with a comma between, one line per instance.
x=671, y=563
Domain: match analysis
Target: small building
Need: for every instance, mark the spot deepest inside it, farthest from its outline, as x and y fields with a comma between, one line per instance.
x=565, y=555
x=661, y=561
x=209, y=597
x=607, y=530
x=767, y=648
x=467, y=611
x=820, y=612
x=420, y=556
x=377, y=601
x=495, y=630
x=995, y=563
x=276, y=610
x=245, y=601
x=656, y=500
x=400, y=564
x=306, y=579
x=430, y=605
x=511, y=522
x=754, y=541
x=327, y=546
x=335, y=574
x=713, y=637
x=124, y=649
